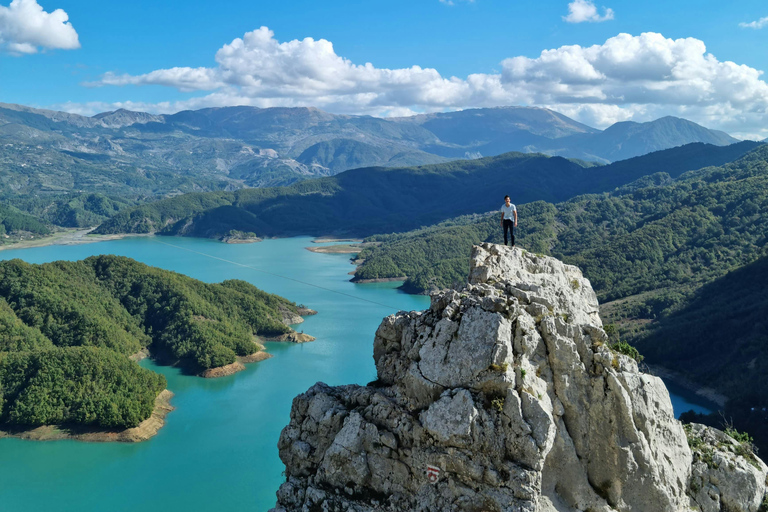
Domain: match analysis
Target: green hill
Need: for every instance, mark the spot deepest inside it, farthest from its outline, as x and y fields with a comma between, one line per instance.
x=720, y=338
x=341, y=154
x=629, y=139
x=362, y=202
x=71, y=210
x=13, y=221
x=727, y=320
x=634, y=240
x=357, y=202
x=67, y=329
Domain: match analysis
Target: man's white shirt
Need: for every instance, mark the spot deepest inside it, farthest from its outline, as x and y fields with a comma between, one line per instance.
x=508, y=211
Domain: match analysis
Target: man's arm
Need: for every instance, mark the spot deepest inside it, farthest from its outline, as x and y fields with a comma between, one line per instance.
x=502, y=218
x=514, y=213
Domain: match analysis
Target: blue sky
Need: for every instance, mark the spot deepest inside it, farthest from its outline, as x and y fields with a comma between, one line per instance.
x=162, y=57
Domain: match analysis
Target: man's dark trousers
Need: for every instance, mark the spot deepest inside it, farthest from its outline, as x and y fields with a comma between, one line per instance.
x=509, y=225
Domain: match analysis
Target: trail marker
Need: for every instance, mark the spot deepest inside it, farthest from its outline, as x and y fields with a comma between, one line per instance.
x=433, y=474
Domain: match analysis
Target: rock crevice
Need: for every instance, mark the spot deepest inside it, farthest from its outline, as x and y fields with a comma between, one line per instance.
x=505, y=396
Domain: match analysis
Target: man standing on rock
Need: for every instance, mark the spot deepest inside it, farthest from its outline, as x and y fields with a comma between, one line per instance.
x=508, y=213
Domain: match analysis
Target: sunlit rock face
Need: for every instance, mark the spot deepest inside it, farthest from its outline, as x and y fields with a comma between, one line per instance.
x=505, y=396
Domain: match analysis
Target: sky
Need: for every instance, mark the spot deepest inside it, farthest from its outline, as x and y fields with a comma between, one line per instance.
x=597, y=62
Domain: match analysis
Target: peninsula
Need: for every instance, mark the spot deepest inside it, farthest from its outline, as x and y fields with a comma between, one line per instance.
x=70, y=333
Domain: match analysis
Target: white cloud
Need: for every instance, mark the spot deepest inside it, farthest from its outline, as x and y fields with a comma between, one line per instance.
x=755, y=24
x=451, y=2
x=580, y=11
x=627, y=77
x=25, y=27
x=184, y=79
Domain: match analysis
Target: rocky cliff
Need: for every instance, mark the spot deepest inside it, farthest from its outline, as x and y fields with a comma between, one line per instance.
x=505, y=396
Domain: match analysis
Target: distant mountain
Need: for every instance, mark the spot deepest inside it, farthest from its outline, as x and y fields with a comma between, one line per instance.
x=341, y=154
x=122, y=117
x=235, y=147
x=492, y=131
x=628, y=139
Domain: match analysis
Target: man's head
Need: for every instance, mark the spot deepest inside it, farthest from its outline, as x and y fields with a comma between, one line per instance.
x=506, y=199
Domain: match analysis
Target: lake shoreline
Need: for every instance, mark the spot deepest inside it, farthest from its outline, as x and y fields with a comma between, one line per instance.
x=379, y=280
x=76, y=236
x=144, y=431
x=337, y=249
x=709, y=394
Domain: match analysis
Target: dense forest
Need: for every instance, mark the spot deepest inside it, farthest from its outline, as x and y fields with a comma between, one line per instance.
x=67, y=329
x=363, y=202
x=72, y=210
x=12, y=221
x=654, y=250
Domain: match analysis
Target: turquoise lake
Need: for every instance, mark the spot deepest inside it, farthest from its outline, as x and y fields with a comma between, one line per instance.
x=218, y=449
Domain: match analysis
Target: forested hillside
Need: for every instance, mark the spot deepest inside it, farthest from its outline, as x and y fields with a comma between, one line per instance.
x=12, y=220
x=67, y=329
x=71, y=210
x=357, y=202
x=642, y=237
x=362, y=202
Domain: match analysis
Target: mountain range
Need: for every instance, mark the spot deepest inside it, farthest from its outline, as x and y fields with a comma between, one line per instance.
x=134, y=153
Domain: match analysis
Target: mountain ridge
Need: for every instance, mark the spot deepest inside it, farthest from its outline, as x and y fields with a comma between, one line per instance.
x=361, y=202
x=291, y=131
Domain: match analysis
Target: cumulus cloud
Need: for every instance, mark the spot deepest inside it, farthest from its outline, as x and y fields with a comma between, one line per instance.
x=580, y=11
x=25, y=28
x=627, y=77
x=755, y=24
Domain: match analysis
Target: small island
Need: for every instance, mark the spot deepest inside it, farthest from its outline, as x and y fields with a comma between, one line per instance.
x=71, y=334
x=240, y=237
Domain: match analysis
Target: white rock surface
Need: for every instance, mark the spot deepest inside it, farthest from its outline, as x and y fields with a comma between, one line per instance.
x=509, y=388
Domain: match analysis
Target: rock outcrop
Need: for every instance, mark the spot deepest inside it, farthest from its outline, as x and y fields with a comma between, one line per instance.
x=505, y=396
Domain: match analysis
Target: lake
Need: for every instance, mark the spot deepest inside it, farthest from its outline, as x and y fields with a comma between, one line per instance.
x=218, y=449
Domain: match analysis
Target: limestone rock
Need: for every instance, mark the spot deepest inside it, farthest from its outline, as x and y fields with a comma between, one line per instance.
x=509, y=390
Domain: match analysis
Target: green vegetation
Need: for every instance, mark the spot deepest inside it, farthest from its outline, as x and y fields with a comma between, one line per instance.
x=71, y=210
x=622, y=347
x=694, y=441
x=67, y=329
x=746, y=447
x=362, y=202
x=14, y=222
x=666, y=239
x=79, y=385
